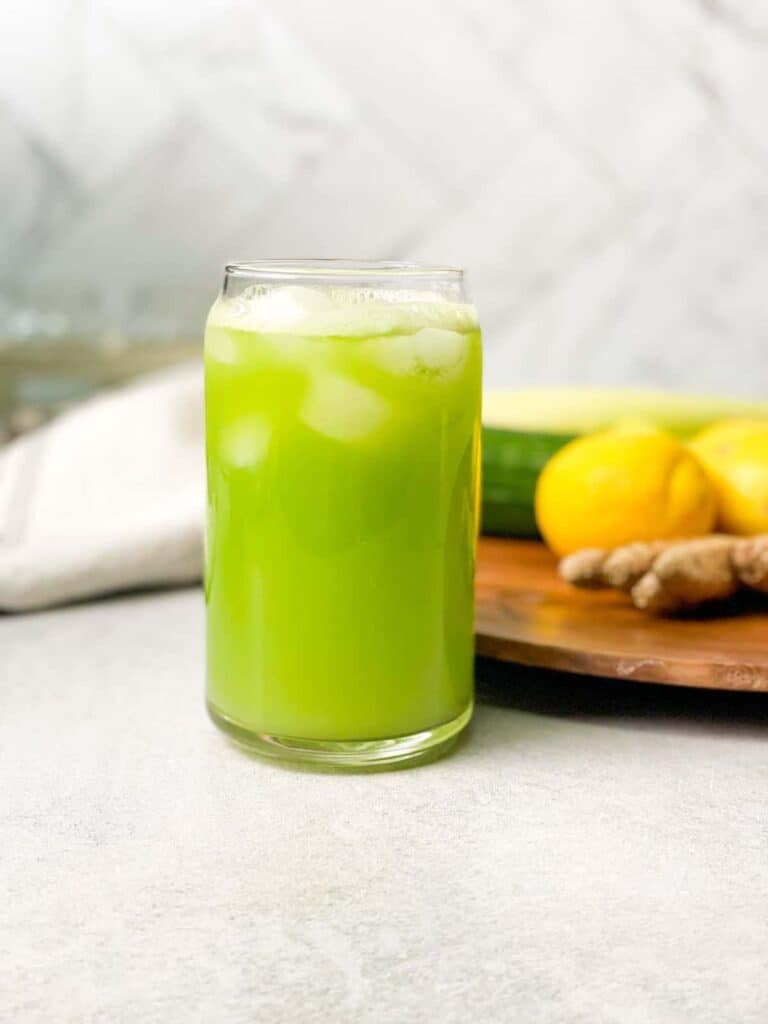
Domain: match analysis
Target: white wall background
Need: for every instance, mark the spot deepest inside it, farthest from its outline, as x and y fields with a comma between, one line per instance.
x=600, y=166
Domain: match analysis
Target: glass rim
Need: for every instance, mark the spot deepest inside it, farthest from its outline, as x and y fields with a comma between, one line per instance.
x=338, y=267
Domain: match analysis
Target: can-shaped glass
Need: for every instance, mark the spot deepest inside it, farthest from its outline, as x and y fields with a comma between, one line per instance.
x=343, y=461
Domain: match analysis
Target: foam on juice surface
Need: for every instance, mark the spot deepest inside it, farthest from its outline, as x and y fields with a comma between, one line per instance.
x=339, y=312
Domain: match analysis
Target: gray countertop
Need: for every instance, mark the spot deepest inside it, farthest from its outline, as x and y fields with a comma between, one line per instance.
x=593, y=852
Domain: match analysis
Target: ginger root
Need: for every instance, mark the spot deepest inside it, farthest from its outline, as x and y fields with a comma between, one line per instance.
x=669, y=576
x=750, y=560
x=620, y=568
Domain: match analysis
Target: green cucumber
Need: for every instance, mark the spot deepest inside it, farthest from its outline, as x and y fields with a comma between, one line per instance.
x=512, y=462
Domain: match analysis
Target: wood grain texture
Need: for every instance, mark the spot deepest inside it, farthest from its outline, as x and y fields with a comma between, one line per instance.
x=526, y=614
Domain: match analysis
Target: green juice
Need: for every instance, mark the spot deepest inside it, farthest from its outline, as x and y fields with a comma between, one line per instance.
x=343, y=462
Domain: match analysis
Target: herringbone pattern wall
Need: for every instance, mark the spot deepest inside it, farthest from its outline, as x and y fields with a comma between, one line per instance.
x=601, y=166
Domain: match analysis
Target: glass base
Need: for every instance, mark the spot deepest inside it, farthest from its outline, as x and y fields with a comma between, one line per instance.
x=347, y=755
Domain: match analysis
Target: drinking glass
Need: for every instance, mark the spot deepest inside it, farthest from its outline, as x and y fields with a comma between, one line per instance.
x=343, y=459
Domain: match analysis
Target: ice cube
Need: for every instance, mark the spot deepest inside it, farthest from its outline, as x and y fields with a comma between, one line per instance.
x=244, y=442
x=438, y=350
x=431, y=352
x=342, y=409
x=221, y=346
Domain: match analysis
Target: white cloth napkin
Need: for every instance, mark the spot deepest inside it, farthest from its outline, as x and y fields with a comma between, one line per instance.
x=109, y=496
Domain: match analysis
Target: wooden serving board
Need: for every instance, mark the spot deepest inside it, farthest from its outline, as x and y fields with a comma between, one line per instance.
x=526, y=614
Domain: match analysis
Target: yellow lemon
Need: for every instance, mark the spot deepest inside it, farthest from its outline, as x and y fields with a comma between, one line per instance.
x=735, y=455
x=616, y=487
